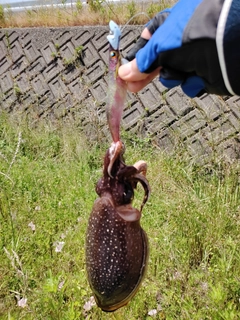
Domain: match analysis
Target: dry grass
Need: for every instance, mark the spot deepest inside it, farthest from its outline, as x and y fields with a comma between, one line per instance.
x=94, y=13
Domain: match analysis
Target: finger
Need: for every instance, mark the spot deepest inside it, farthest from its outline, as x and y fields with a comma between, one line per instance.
x=136, y=86
x=130, y=72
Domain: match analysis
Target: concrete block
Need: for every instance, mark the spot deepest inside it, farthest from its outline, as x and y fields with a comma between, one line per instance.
x=150, y=98
x=23, y=82
x=62, y=108
x=19, y=66
x=28, y=100
x=15, y=51
x=2, y=34
x=230, y=150
x=234, y=120
x=31, y=52
x=82, y=38
x=25, y=39
x=39, y=85
x=163, y=90
x=163, y=117
x=5, y=64
x=36, y=67
x=165, y=140
x=99, y=91
x=63, y=38
x=67, y=52
x=234, y=106
x=3, y=50
x=128, y=39
x=9, y=102
x=70, y=73
x=133, y=117
x=95, y=72
x=189, y=124
x=104, y=53
x=53, y=69
x=89, y=55
x=10, y=36
x=198, y=147
x=219, y=130
x=6, y=82
x=58, y=88
x=212, y=106
x=78, y=89
x=178, y=102
x=99, y=39
x=49, y=51
x=45, y=103
x=233, y=101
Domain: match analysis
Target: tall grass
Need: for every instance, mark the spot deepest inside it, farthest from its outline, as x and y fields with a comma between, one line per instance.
x=47, y=181
x=96, y=12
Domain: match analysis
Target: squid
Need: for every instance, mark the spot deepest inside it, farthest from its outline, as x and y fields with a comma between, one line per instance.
x=116, y=245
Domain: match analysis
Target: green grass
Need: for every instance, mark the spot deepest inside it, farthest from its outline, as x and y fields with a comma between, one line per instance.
x=48, y=177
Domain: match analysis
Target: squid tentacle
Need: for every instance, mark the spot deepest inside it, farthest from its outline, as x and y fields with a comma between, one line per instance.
x=144, y=182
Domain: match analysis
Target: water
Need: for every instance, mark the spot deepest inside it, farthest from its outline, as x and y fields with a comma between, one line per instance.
x=29, y=3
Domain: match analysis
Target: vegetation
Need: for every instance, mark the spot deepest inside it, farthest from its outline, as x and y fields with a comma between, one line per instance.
x=95, y=12
x=47, y=181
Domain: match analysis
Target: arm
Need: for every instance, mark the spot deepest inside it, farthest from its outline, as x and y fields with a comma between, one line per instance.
x=183, y=46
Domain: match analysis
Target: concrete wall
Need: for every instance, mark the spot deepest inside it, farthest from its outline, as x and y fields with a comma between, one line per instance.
x=62, y=72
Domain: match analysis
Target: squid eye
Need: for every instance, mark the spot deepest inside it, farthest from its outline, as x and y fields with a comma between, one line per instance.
x=113, y=54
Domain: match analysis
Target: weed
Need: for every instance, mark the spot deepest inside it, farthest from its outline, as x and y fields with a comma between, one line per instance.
x=95, y=5
x=54, y=55
x=76, y=58
x=155, y=7
x=79, y=5
x=78, y=50
x=57, y=46
x=17, y=91
x=8, y=40
x=2, y=15
x=68, y=62
x=132, y=9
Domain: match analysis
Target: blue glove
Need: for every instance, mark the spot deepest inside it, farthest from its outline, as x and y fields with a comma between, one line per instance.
x=183, y=43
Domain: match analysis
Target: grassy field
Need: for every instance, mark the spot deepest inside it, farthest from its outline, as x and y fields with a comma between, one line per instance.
x=47, y=181
x=96, y=12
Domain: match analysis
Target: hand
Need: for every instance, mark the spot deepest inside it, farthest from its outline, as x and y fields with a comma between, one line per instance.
x=129, y=72
x=181, y=42
x=135, y=79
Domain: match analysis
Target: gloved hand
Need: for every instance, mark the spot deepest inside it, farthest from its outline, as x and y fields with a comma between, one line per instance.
x=182, y=42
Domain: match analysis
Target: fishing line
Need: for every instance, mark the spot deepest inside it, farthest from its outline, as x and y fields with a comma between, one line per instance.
x=133, y=17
